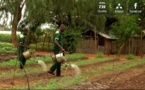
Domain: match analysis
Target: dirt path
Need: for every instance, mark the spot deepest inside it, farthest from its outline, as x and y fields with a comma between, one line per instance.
x=7, y=57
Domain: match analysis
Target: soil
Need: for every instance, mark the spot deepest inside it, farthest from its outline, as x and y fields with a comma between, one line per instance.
x=133, y=78
x=6, y=57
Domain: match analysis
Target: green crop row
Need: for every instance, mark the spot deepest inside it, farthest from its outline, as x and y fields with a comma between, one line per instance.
x=55, y=83
x=7, y=48
x=79, y=63
x=5, y=38
x=45, y=59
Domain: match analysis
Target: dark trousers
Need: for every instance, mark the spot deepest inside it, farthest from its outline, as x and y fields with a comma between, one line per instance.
x=56, y=66
x=22, y=61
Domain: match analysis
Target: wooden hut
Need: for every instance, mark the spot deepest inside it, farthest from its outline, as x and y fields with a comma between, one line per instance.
x=108, y=45
x=104, y=43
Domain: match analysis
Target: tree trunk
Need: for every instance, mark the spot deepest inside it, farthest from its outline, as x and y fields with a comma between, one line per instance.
x=129, y=49
x=95, y=42
x=44, y=41
x=121, y=47
x=37, y=43
x=16, y=19
x=141, y=45
x=13, y=34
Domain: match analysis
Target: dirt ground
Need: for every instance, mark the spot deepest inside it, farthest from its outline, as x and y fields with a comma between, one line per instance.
x=133, y=78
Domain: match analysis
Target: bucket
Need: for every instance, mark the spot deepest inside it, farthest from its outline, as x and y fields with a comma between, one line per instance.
x=26, y=54
x=59, y=57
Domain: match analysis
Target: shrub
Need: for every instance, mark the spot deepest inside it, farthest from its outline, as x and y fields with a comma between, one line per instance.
x=130, y=57
x=99, y=54
x=71, y=38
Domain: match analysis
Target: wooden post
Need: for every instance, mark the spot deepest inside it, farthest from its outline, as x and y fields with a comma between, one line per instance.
x=141, y=45
x=95, y=42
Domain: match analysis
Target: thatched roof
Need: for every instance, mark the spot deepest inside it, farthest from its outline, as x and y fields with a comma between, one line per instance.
x=91, y=34
x=107, y=36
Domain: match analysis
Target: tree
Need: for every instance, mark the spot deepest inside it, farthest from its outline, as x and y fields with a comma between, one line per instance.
x=14, y=7
x=124, y=28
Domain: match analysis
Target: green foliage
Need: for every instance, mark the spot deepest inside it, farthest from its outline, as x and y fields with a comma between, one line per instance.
x=35, y=59
x=130, y=57
x=71, y=38
x=99, y=55
x=125, y=27
x=40, y=46
x=85, y=76
x=5, y=38
x=75, y=56
x=7, y=48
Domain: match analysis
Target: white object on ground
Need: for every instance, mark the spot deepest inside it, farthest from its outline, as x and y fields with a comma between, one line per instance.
x=43, y=65
x=76, y=68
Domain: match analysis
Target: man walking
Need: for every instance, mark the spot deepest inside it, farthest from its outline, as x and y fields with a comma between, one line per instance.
x=57, y=48
x=22, y=48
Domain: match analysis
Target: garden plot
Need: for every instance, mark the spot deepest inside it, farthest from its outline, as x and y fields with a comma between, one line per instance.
x=96, y=73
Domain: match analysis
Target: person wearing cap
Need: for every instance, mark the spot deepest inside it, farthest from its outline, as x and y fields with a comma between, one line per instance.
x=22, y=47
x=57, y=48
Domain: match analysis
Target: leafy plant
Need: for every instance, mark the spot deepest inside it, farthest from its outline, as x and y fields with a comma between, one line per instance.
x=130, y=57
x=124, y=28
x=5, y=37
x=7, y=48
x=71, y=38
x=99, y=54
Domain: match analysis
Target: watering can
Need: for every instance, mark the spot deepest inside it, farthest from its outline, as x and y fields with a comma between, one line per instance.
x=26, y=54
x=59, y=57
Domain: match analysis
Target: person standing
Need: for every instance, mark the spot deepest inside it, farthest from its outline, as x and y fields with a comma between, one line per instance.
x=57, y=48
x=22, y=47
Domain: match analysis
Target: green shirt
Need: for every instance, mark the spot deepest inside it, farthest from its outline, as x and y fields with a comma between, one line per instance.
x=57, y=36
x=22, y=41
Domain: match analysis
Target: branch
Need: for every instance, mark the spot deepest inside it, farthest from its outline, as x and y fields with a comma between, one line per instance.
x=22, y=4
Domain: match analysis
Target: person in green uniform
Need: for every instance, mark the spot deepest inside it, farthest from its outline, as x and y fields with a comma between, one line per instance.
x=22, y=48
x=57, y=48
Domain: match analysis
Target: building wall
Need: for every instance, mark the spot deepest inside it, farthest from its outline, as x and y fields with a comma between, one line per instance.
x=134, y=46
x=88, y=46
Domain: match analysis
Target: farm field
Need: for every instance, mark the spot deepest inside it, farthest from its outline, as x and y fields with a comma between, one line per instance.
x=103, y=42
x=106, y=72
